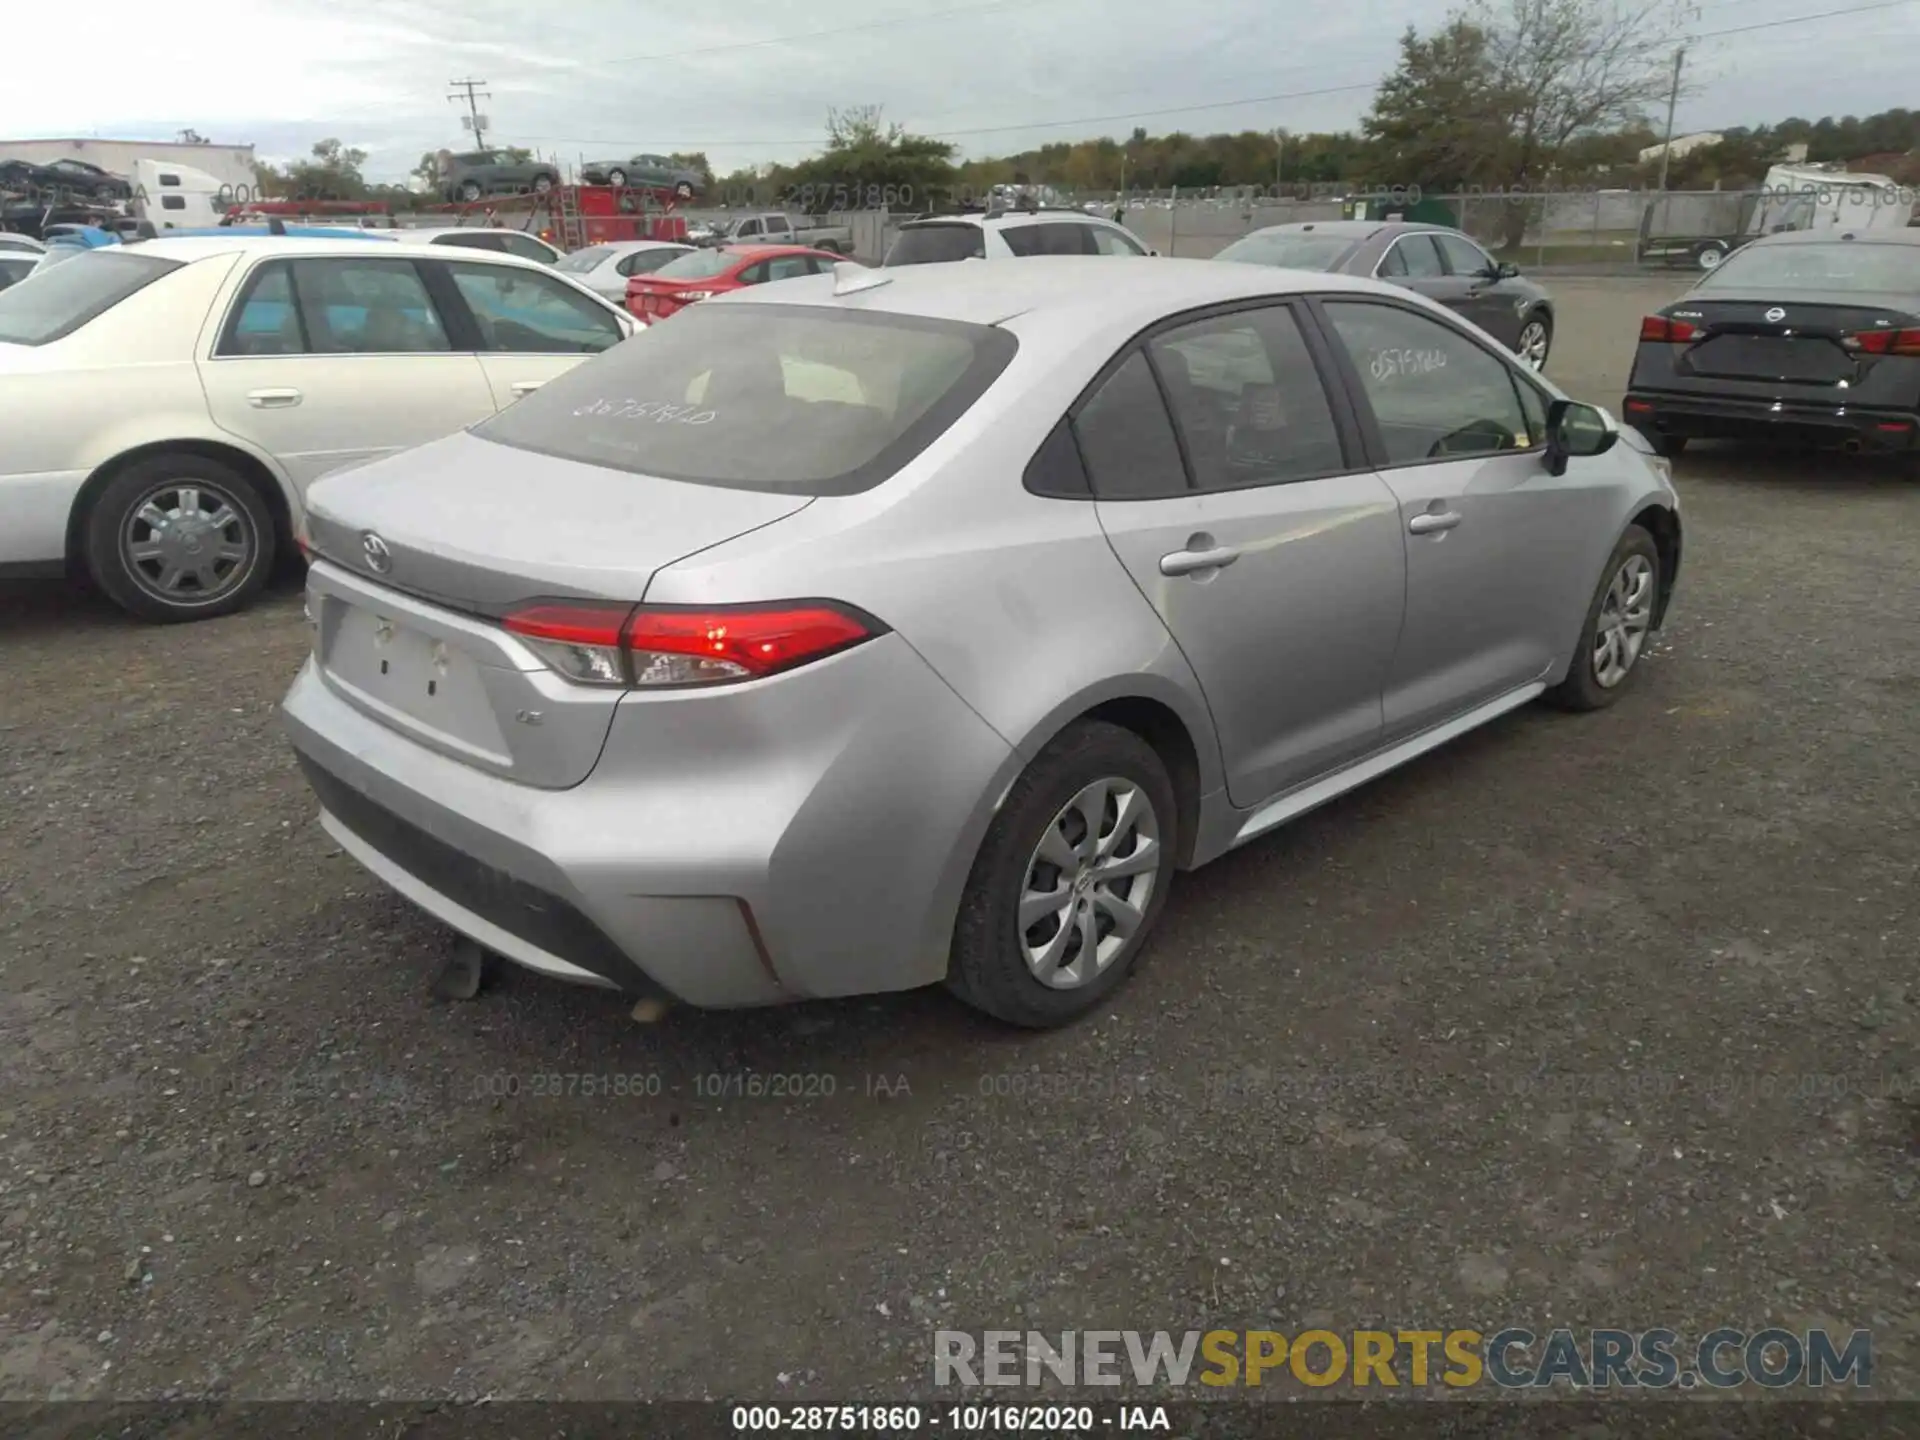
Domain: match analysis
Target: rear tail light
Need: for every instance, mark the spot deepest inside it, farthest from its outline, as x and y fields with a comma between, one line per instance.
x=1884, y=342
x=1662, y=331
x=659, y=648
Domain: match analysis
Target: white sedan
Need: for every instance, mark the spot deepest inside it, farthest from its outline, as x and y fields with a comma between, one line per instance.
x=164, y=406
x=605, y=269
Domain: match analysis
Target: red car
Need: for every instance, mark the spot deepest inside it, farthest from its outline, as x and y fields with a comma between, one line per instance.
x=702, y=274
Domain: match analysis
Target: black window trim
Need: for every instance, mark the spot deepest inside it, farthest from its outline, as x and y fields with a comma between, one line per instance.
x=1354, y=451
x=1375, y=441
x=230, y=324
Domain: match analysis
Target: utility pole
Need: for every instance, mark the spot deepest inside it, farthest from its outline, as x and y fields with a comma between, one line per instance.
x=472, y=90
x=1673, y=98
x=1279, y=161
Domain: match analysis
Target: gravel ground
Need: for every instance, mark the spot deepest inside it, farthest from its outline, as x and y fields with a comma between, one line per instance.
x=1601, y=1021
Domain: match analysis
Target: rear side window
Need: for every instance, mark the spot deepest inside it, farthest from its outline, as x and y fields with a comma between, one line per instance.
x=473, y=241
x=581, y=261
x=527, y=248
x=1066, y=239
x=793, y=400
x=1126, y=437
x=1022, y=240
x=62, y=298
x=267, y=322
x=645, y=262
x=937, y=244
x=366, y=307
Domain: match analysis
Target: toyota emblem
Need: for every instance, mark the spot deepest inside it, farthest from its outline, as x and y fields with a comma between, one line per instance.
x=379, y=557
x=1776, y=315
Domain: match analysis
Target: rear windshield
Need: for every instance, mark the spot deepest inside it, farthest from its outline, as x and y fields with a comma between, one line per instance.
x=698, y=265
x=790, y=399
x=1842, y=265
x=1293, y=249
x=65, y=296
x=581, y=261
x=937, y=244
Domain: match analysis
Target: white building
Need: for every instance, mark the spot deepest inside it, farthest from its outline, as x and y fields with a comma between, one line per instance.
x=1683, y=144
x=229, y=164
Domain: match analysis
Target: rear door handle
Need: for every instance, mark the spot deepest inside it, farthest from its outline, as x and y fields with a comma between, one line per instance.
x=1427, y=524
x=1187, y=562
x=272, y=399
x=527, y=387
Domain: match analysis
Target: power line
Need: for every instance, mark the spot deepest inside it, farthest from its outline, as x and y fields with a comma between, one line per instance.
x=1803, y=19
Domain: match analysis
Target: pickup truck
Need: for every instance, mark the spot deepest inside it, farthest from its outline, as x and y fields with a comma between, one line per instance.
x=777, y=228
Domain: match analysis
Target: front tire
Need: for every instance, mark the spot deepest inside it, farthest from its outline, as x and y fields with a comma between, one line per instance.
x=542, y=184
x=1709, y=256
x=1069, y=881
x=617, y=179
x=179, y=537
x=683, y=190
x=1618, y=626
x=1536, y=340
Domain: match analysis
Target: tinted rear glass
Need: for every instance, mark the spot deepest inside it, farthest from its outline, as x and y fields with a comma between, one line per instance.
x=1842, y=265
x=1294, y=250
x=795, y=400
x=581, y=261
x=65, y=296
x=936, y=245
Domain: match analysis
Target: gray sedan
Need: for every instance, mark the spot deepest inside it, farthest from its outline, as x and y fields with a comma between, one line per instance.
x=880, y=628
x=1437, y=262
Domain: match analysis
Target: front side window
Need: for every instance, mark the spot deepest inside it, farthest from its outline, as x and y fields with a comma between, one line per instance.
x=792, y=400
x=1114, y=242
x=71, y=290
x=1066, y=239
x=366, y=307
x=525, y=313
x=1463, y=256
x=1414, y=257
x=1434, y=392
x=1248, y=399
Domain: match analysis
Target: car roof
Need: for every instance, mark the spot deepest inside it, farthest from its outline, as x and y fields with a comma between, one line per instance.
x=1142, y=288
x=1010, y=218
x=460, y=230
x=189, y=248
x=1909, y=235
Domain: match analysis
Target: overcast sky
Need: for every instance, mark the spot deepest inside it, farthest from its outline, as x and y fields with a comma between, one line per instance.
x=586, y=77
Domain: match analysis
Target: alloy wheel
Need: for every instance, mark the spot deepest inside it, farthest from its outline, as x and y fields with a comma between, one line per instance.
x=1626, y=613
x=188, y=543
x=1089, y=883
x=1533, y=344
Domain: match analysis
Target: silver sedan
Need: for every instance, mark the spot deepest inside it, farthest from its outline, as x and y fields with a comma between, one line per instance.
x=605, y=269
x=883, y=628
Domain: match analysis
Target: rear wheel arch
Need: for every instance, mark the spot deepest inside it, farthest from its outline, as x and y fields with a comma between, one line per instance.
x=268, y=485
x=1171, y=738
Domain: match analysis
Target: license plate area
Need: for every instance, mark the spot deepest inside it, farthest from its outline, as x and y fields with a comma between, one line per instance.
x=413, y=681
x=1772, y=357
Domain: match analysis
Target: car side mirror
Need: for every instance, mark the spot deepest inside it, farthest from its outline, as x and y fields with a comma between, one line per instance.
x=1577, y=430
x=1506, y=270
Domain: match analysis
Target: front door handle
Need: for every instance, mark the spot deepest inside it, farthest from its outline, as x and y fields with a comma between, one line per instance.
x=1429, y=523
x=527, y=387
x=272, y=399
x=1192, y=560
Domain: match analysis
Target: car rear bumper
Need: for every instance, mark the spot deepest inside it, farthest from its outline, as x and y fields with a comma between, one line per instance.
x=1708, y=417
x=805, y=836
x=37, y=508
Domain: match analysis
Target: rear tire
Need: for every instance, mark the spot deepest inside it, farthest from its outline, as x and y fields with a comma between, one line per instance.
x=542, y=184
x=472, y=193
x=1618, y=626
x=1709, y=256
x=131, y=559
x=683, y=190
x=996, y=965
x=617, y=179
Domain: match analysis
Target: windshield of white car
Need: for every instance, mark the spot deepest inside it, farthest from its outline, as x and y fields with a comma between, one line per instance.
x=1839, y=265
x=581, y=261
x=787, y=399
x=697, y=265
x=1293, y=250
x=65, y=295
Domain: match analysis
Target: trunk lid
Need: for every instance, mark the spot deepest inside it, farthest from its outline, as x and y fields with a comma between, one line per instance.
x=1790, y=346
x=418, y=555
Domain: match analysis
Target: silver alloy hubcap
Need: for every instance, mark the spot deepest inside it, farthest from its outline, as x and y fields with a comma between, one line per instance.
x=1533, y=345
x=1711, y=258
x=1625, y=615
x=1089, y=883
x=187, y=542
